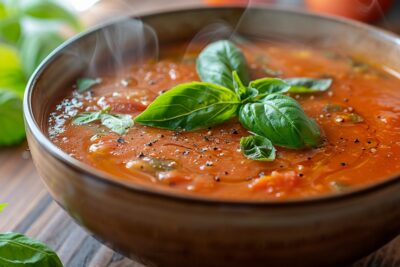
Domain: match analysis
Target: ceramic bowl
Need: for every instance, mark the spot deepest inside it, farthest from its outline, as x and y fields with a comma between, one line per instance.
x=163, y=229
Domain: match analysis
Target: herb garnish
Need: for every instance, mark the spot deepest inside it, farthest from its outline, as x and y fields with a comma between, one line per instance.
x=118, y=123
x=85, y=84
x=262, y=108
x=225, y=91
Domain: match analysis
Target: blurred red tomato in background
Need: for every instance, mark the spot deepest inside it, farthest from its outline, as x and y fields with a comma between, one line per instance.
x=237, y=2
x=364, y=10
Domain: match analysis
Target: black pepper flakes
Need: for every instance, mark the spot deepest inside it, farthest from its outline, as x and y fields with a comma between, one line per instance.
x=121, y=140
x=343, y=164
x=356, y=141
x=141, y=155
x=301, y=174
x=234, y=131
x=215, y=148
x=226, y=173
x=217, y=178
x=185, y=153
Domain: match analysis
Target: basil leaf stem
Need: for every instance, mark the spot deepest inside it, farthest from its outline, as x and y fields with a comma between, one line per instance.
x=218, y=60
x=257, y=148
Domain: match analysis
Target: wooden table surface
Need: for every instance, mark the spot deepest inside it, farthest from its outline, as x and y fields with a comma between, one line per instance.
x=32, y=211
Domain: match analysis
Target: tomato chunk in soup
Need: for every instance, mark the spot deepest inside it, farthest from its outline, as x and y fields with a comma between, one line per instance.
x=359, y=117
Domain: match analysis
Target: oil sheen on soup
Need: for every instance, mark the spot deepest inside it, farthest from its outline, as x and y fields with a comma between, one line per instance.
x=359, y=117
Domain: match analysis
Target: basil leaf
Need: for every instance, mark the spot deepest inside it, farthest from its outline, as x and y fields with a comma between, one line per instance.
x=118, y=123
x=3, y=206
x=85, y=84
x=308, y=85
x=266, y=86
x=19, y=250
x=218, y=60
x=257, y=148
x=49, y=10
x=191, y=106
x=35, y=46
x=86, y=117
x=11, y=120
x=282, y=120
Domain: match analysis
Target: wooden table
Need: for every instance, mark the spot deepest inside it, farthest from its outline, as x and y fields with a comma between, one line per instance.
x=31, y=210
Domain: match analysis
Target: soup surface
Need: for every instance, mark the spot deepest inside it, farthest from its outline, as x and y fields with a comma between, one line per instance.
x=359, y=117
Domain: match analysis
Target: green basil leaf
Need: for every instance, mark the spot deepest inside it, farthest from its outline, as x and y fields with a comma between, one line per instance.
x=11, y=120
x=218, y=60
x=19, y=250
x=266, y=86
x=191, y=106
x=308, y=85
x=118, y=123
x=11, y=73
x=238, y=86
x=257, y=148
x=3, y=206
x=85, y=84
x=35, y=46
x=282, y=120
x=86, y=117
x=49, y=10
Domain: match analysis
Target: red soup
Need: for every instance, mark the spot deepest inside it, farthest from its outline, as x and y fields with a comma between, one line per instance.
x=359, y=119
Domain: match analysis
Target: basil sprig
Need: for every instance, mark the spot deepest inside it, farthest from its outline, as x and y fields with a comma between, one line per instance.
x=225, y=91
x=118, y=123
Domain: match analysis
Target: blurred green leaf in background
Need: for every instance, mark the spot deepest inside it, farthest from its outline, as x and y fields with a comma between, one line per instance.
x=29, y=31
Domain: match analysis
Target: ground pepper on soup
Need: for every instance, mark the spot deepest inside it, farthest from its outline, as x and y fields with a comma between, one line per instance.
x=359, y=119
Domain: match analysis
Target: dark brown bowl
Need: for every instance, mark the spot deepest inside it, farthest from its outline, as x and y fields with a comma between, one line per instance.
x=162, y=229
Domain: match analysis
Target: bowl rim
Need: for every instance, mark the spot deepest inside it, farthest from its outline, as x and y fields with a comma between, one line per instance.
x=103, y=177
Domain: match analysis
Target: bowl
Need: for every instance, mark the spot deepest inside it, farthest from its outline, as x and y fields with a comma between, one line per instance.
x=163, y=229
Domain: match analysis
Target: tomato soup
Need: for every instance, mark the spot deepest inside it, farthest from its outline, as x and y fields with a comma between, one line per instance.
x=359, y=118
